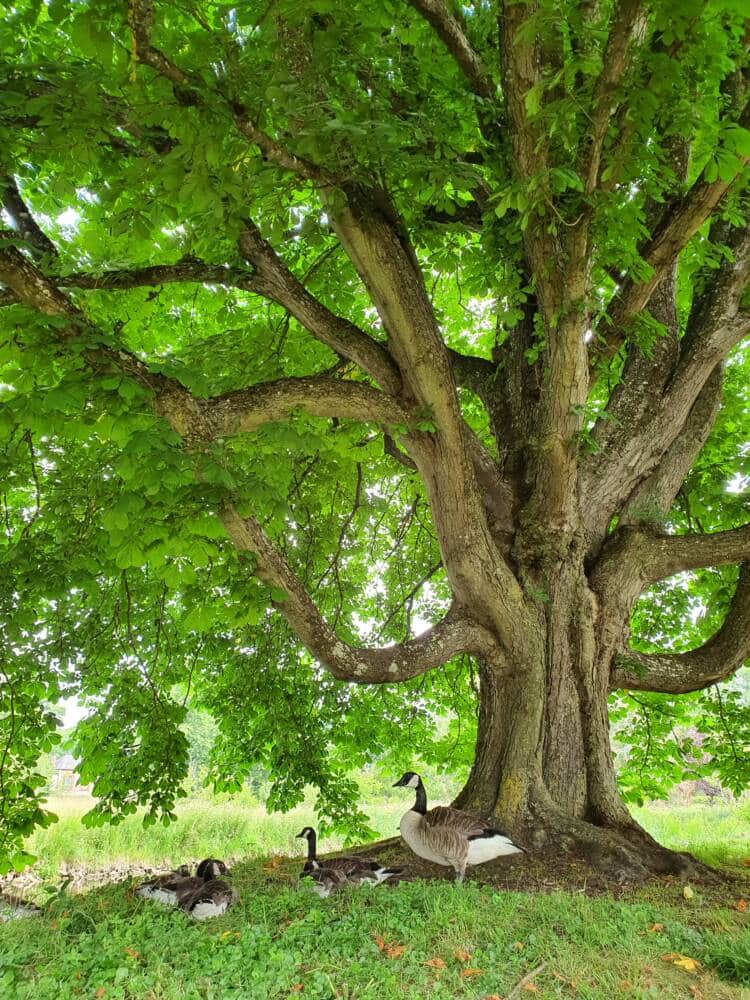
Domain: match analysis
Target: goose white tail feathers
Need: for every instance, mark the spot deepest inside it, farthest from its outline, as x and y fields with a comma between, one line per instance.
x=212, y=899
x=448, y=836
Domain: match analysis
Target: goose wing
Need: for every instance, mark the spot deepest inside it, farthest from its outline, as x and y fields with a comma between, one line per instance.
x=465, y=823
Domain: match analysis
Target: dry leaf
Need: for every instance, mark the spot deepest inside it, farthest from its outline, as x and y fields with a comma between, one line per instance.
x=297, y=988
x=746, y=861
x=492, y=996
x=656, y=928
x=696, y=993
x=471, y=973
x=395, y=950
x=435, y=963
x=531, y=987
x=687, y=892
x=273, y=863
x=518, y=945
x=626, y=984
x=133, y=953
x=685, y=962
x=461, y=955
x=379, y=941
x=741, y=905
x=101, y=992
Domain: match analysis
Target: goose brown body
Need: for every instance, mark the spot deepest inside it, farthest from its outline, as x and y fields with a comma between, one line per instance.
x=337, y=873
x=448, y=836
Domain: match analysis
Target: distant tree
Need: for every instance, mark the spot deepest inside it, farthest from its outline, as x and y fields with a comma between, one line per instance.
x=322, y=322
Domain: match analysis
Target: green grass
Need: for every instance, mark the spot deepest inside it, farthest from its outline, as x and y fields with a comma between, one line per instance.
x=281, y=941
x=109, y=944
x=218, y=827
x=718, y=834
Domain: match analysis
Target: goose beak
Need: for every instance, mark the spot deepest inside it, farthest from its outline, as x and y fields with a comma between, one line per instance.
x=401, y=781
x=301, y=834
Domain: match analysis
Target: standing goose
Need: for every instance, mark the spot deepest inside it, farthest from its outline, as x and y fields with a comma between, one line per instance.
x=337, y=873
x=448, y=836
x=173, y=887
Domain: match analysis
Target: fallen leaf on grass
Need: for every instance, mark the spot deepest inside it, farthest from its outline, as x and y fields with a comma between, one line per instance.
x=685, y=962
x=101, y=992
x=274, y=862
x=746, y=862
x=531, y=987
x=687, y=892
x=389, y=950
x=297, y=988
x=741, y=905
x=461, y=955
x=435, y=963
x=492, y=996
x=471, y=973
x=518, y=946
x=133, y=953
x=656, y=928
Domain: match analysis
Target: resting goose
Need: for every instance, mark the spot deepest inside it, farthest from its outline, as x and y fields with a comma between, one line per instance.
x=12, y=907
x=337, y=873
x=211, y=899
x=170, y=889
x=448, y=836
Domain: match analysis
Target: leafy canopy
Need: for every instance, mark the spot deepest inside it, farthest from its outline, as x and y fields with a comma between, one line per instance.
x=118, y=582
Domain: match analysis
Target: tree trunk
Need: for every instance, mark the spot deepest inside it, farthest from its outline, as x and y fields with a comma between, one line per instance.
x=543, y=764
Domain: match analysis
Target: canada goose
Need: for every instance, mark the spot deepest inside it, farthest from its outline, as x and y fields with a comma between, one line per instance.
x=448, y=836
x=211, y=899
x=336, y=873
x=173, y=887
x=12, y=907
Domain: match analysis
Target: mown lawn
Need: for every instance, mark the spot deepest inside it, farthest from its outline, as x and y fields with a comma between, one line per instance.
x=418, y=939
x=412, y=940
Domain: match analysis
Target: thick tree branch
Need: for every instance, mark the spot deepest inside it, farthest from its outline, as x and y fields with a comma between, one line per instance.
x=652, y=500
x=674, y=230
x=654, y=555
x=23, y=220
x=206, y=419
x=185, y=270
x=275, y=281
x=632, y=441
x=450, y=637
x=451, y=32
x=246, y=410
x=678, y=673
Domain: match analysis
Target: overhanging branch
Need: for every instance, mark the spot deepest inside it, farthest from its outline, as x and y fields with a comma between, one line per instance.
x=141, y=17
x=450, y=637
x=674, y=230
x=246, y=410
x=679, y=673
x=451, y=32
x=276, y=282
x=655, y=555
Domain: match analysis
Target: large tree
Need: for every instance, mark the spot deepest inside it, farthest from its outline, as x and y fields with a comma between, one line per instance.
x=321, y=322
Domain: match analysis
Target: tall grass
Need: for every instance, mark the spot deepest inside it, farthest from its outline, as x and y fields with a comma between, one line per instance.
x=225, y=827
x=718, y=834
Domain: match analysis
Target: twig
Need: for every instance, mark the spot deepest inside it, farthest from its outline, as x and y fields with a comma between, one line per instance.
x=526, y=979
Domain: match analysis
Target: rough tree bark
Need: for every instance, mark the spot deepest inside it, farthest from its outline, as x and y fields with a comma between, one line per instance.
x=542, y=587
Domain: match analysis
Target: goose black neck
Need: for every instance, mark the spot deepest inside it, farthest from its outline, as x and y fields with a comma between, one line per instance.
x=311, y=844
x=420, y=804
